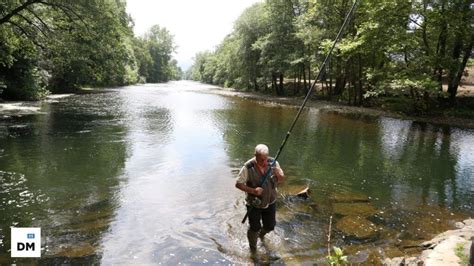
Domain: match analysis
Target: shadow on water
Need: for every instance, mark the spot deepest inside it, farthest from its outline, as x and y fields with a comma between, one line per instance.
x=59, y=171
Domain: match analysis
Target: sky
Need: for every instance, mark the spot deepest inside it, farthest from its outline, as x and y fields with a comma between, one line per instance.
x=197, y=25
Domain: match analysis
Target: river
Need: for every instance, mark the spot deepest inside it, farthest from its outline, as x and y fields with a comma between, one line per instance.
x=145, y=175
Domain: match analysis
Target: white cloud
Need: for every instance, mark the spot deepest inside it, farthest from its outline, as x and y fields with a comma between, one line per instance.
x=197, y=25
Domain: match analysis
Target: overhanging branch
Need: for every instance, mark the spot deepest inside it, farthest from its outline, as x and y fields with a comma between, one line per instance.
x=17, y=10
x=39, y=19
x=27, y=35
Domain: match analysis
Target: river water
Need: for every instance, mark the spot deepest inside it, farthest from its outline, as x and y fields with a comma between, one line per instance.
x=145, y=175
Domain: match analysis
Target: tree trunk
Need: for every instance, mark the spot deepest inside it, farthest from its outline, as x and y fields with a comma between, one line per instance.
x=353, y=81
x=341, y=78
x=441, y=47
x=274, y=86
x=349, y=93
x=323, y=78
x=457, y=69
x=350, y=86
x=294, y=83
x=456, y=77
x=299, y=80
x=281, y=90
x=361, y=91
x=304, y=81
x=309, y=74
x=330, y=78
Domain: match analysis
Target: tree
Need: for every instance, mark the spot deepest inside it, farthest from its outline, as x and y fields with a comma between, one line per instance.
x=99, y=54
x=70, y=44
x=248, y=28
x=277, y=45
x=62, y=45
x=159, y=43
x=392, y=48
x=24, y=31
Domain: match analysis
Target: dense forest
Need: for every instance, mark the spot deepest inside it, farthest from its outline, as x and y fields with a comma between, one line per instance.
x=391, y=49
x=63, y=45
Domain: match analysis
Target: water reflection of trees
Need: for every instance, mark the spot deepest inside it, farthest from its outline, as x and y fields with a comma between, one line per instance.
x=406, y=169
x=406, y=162
x=70, y=161
x=429, y=164
x=247, y=123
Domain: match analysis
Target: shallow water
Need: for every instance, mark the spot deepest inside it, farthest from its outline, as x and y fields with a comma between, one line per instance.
x=145, y=174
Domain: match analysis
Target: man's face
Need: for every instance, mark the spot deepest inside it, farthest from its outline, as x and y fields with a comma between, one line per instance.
x=261, y=159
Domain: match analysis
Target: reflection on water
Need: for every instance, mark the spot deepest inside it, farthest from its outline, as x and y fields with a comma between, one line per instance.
x=145, y=175
x=60, y=171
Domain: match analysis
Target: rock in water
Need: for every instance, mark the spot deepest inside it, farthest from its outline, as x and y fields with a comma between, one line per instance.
x=449, y=248
x=357, y=228
x=303, y=193
x=356, y=209
x=348, y=197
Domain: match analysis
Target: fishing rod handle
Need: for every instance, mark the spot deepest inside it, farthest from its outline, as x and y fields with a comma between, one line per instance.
x=245, y=217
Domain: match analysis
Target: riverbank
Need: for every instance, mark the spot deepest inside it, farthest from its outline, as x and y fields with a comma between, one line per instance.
x=329, y=106
x=452, y=247
x=20, y=108
x=33, y=107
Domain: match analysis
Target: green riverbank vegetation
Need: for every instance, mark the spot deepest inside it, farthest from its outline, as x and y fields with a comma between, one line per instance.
x=405, y=56
x=63, y=45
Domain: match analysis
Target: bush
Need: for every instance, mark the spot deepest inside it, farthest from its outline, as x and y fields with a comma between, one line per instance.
x=338, y=258
x=24, y=82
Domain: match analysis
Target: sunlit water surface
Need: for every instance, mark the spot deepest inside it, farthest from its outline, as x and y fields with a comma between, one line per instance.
x=145, y=174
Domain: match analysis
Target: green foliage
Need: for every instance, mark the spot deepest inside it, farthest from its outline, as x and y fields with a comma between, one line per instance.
x=158, y=46
x=96, y=52
x=19, y=75
x=65, y=45
x=9, y=43
x=460, y=252
x=24, y=82
x=338, y=258
x=470, y=63
x=390, y=47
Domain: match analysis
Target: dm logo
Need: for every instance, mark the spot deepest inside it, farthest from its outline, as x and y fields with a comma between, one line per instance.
x=26, y=242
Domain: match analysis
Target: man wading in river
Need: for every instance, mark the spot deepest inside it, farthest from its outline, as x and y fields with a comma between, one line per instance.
x=261, y=198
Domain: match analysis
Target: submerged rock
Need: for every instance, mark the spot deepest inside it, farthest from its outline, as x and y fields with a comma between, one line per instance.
x=293, y=189
x=81, y=250
x=358, y=228
x=394, y=262
x=348, y=197
x=425, y=227
x=392, y=252
x=351, y=209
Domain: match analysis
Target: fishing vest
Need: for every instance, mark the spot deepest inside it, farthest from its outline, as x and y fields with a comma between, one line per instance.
x=269, y=194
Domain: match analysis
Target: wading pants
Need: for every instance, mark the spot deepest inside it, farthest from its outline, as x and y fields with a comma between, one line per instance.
x=256, y=218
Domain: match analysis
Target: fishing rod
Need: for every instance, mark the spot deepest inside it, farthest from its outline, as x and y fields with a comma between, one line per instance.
x=321, y=68
x=308, y=95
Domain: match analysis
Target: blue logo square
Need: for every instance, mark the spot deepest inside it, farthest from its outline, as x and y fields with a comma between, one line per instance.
x=30, y=236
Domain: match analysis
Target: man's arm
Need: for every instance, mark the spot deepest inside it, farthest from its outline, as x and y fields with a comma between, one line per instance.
x=255, y=191
x=280, y=176
x=241, y=183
